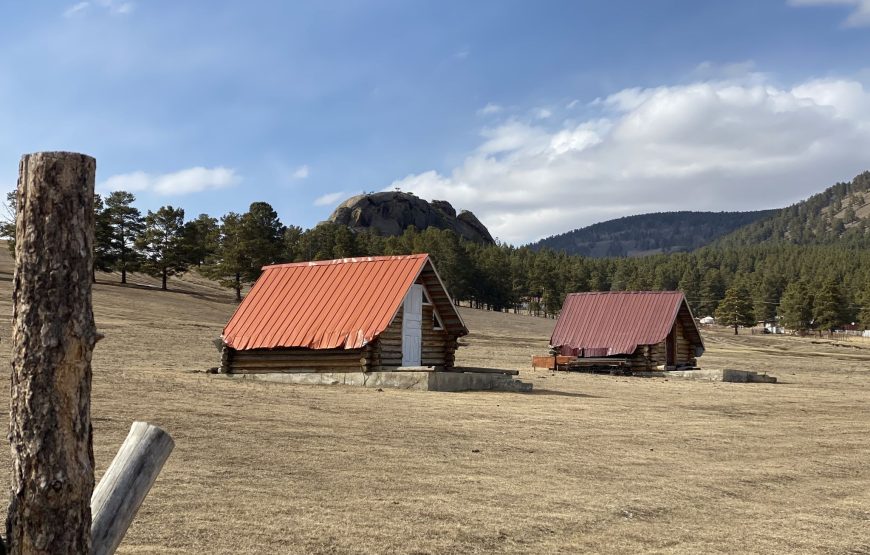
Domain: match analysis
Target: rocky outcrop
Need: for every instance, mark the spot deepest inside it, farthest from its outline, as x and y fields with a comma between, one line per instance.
x=391, y=213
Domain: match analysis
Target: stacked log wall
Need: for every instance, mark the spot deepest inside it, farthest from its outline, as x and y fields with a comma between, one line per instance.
x=685, y=350
x=259, y=361
x=657, y=354
x=438, y=347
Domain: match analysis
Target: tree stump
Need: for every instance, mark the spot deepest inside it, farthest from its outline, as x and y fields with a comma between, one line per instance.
x=53, y=337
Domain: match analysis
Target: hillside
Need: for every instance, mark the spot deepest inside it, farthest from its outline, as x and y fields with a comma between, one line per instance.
x=841, y=213
x=647, y=234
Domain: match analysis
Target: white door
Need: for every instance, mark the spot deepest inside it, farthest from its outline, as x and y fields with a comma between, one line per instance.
x=412, y=322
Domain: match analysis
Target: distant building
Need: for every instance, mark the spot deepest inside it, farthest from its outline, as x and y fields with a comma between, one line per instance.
x=646, y=328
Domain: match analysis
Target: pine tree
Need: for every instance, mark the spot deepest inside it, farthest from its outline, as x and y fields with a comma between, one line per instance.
x=231, y=260
x=293, y=237
x=7, y=222
x=829, y=306
x=712, y=291
x=201, y=239
x=690, y=285
x=126, y=225
x=864, y=309
x=247, y=243
x=162, y=243
x=104, y=258
x=796, y=307
x=263, y=236
x=768, y=291
x=736, y=308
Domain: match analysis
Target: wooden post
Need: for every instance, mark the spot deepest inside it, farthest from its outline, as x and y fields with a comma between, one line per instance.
x=126, y=483
x=53, y=336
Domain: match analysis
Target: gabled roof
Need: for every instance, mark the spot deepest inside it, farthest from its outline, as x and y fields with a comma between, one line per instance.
x=615, y=323
x=333, y=304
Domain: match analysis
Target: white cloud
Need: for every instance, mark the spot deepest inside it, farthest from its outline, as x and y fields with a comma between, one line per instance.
x=571, y=104
x=462, y=54
x=124, y=7
x=77, y=8
x=301, y=172
x=708, y=145
x=114, y=7
x=859, y=17
x=191, y=180
x=490, y=109
x=328, y=199
x=132, y=182
x=542, y=113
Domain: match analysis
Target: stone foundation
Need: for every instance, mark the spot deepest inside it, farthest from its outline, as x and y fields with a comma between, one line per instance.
x=726, y=375
x=423, y=381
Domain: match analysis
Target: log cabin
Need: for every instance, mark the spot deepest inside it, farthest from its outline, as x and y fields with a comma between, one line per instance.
x=369, y=314
x=639, y=330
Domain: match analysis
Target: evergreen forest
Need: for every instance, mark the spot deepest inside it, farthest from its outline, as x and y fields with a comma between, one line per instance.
x=806, y=266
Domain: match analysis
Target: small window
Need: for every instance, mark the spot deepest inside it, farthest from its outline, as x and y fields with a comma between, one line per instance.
x=436, y=321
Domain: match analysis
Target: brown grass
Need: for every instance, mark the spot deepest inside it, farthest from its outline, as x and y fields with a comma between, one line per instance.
x=585, y=464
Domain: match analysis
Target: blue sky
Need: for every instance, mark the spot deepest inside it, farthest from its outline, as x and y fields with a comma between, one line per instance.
x=538, y=116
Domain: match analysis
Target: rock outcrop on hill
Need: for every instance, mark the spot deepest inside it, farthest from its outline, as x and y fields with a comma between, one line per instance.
x=391, y=213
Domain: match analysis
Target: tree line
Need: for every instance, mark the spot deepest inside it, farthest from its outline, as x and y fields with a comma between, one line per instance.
x=803, y=287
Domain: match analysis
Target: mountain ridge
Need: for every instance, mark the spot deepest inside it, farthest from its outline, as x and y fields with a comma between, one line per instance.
x=650, y=233
x=840, y=213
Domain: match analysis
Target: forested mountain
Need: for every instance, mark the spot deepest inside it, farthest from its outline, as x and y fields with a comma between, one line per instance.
x=839, y=215
x=647, y=234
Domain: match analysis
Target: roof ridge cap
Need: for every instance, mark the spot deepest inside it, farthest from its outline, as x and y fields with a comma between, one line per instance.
x=348, y=260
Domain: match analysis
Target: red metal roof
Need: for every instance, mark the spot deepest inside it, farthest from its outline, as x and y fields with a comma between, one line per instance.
x=615, y=323
x=330, y=304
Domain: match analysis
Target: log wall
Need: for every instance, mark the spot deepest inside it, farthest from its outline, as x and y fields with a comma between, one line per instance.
x=259, y=361
x=438, y=346
x=656, y=355
x=685, y=351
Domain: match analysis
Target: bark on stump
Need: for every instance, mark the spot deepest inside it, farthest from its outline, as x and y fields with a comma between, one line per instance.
x=53, y=337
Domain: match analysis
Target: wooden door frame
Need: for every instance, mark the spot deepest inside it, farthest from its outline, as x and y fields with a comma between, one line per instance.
x=671, y=347
x=419, y=330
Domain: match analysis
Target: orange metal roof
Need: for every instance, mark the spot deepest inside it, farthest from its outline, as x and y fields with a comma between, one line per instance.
x=331, y=304
x=615, y=323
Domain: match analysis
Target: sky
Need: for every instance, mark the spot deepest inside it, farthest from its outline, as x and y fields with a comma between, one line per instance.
x=540, y=117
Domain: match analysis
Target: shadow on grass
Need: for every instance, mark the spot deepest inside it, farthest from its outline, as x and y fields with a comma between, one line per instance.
x=552, y=393
x=142, y=287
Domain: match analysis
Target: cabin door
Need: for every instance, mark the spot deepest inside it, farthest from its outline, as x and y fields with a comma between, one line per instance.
x=671, y=347
x=412, y=326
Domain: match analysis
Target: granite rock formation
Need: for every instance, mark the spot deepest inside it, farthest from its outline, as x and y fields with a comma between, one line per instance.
x=391, y=213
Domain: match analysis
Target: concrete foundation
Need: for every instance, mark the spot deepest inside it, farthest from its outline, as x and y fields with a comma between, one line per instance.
x=726, y=375
x=423, y=381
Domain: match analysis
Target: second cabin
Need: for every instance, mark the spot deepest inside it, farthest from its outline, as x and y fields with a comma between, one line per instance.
x=366, y=314
x=635, y=330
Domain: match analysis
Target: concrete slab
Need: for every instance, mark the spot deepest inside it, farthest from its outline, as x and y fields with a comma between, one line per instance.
x=423, y=381
x=726, y=375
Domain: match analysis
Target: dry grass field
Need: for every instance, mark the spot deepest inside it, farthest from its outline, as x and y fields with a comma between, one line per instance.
x=594, y=464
